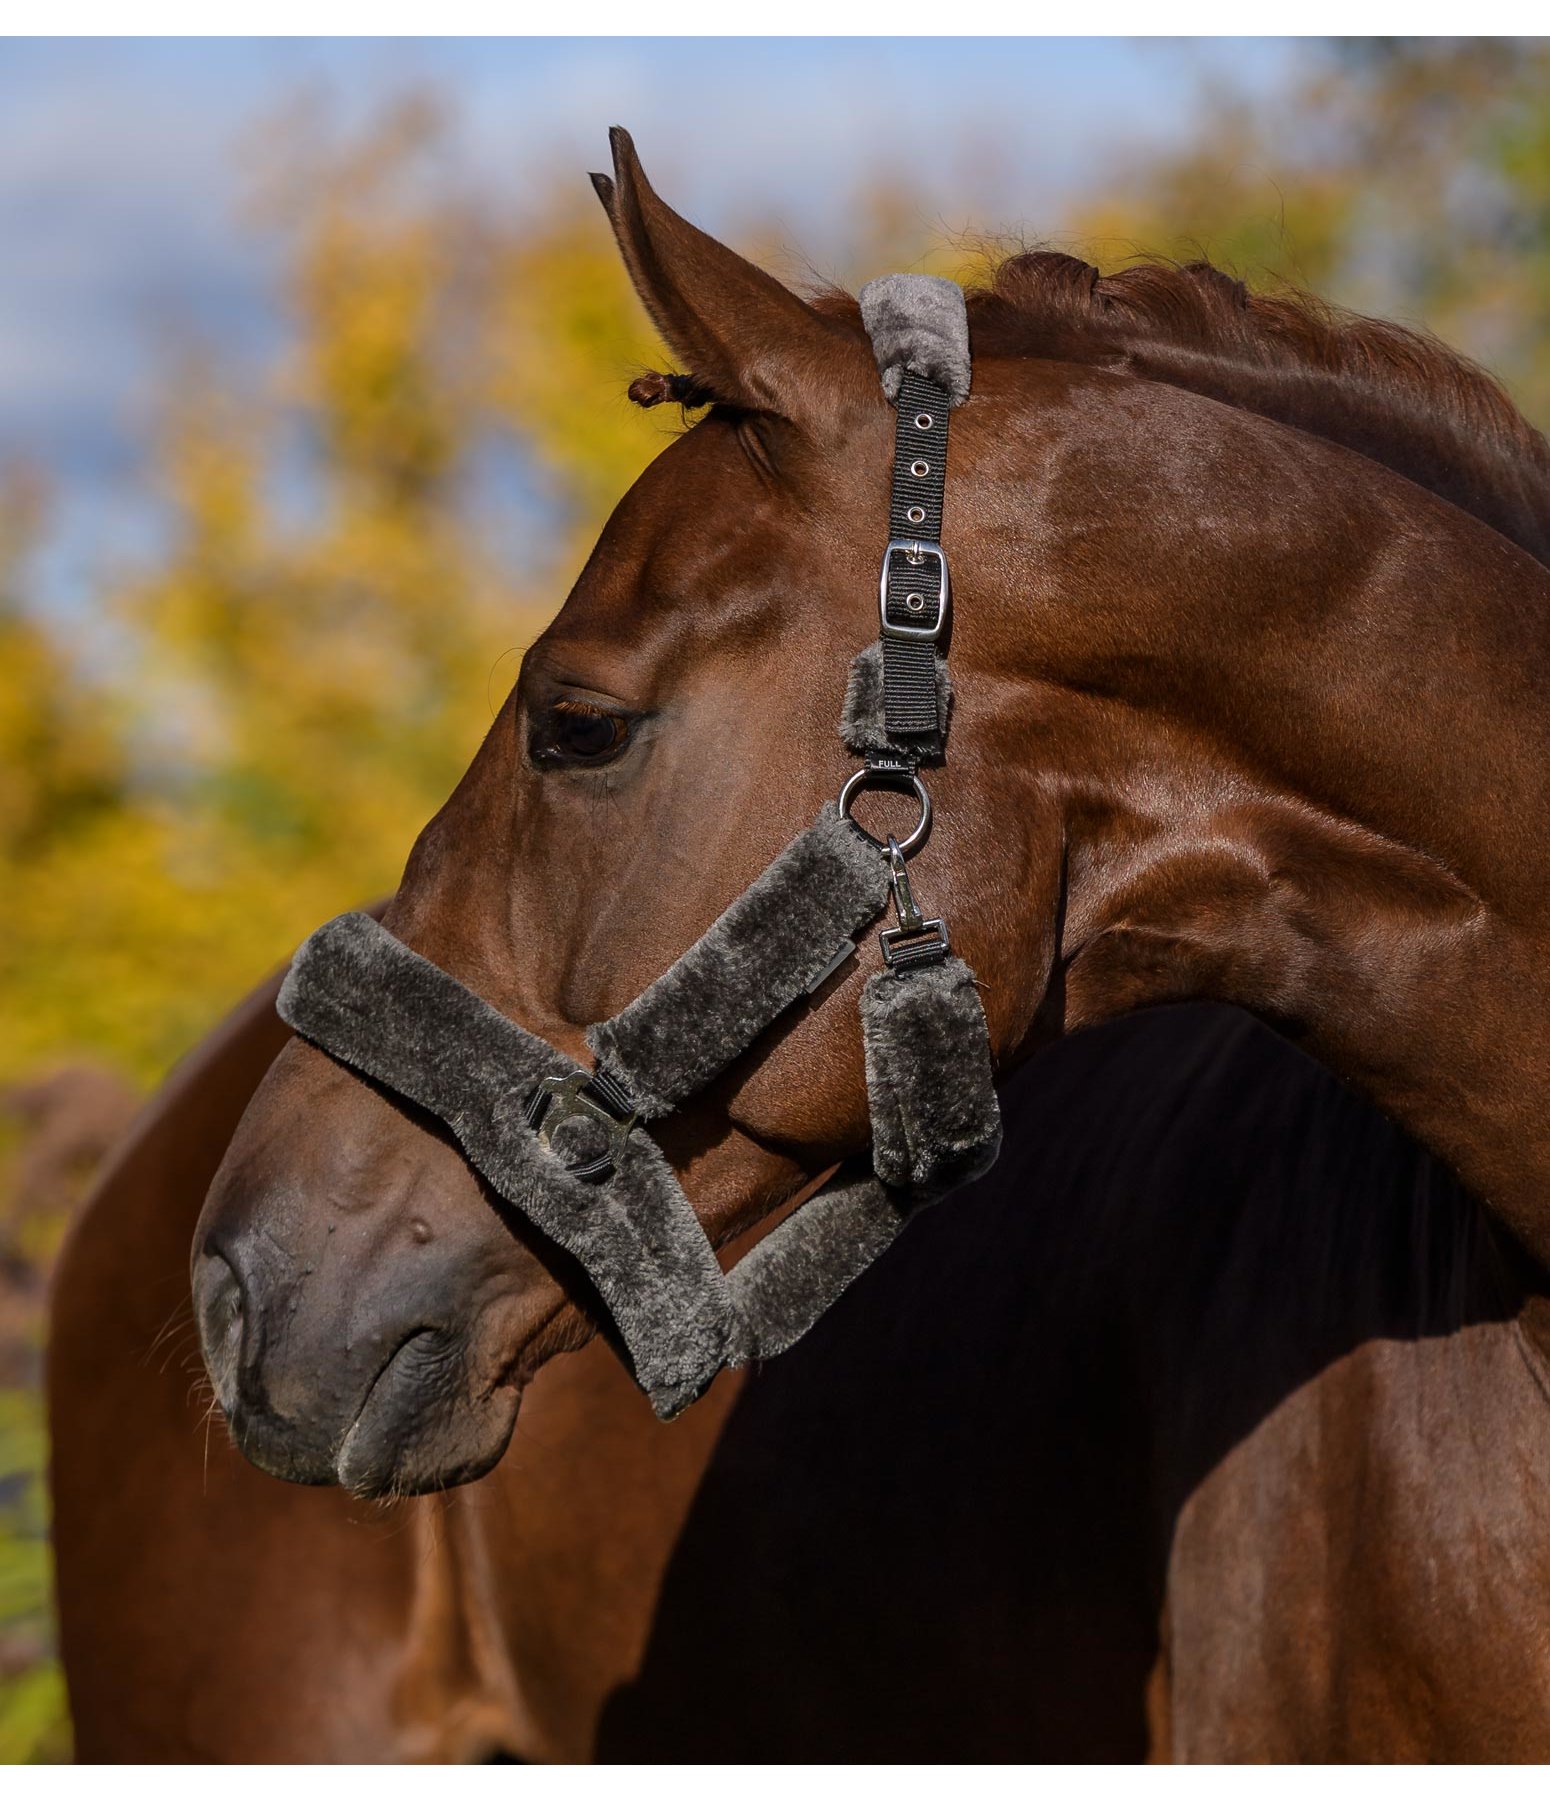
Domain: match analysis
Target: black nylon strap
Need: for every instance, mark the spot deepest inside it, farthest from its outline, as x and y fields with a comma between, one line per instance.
x=914, y=582
x=923, y=951
x=610, y=1093
x=914, y=443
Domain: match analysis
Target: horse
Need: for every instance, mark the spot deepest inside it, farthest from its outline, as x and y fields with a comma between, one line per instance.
x=1210, y=1423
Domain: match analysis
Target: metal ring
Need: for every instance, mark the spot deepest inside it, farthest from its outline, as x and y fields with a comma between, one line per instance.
x=923, y=421
x=920, y=468
x=864, y=778
x=916, y=515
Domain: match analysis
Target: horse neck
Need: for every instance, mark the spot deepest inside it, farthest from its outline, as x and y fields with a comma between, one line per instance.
x=1293, y=718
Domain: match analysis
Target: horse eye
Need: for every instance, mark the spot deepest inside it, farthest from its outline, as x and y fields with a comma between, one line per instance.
x=572, y=732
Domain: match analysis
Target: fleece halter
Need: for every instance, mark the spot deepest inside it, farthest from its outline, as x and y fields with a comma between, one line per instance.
x=564, y=1145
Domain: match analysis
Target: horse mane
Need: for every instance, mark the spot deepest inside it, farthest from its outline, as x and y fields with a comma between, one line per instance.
x=1399, y=396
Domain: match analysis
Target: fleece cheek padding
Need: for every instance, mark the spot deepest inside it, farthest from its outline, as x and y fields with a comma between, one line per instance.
x=863, y=723
x=930, y=1085
x=765, y=951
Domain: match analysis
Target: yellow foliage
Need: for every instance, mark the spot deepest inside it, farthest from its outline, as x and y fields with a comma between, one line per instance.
x=296, y=684
x=304, y=686
x=58, y=761
x=566, y=338
x=309, y=667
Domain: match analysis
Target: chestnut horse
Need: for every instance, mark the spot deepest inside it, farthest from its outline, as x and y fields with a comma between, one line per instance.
x=1212, y=1423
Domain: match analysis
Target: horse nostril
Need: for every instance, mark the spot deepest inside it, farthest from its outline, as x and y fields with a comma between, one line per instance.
x=220, y=1306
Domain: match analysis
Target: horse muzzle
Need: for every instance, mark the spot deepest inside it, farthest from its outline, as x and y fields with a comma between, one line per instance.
x=365, y=1315
x=404, y=1407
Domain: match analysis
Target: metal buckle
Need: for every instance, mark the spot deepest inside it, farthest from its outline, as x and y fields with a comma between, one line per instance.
x=561, y=1097
x=911, y=949
x=915, y=550
x=915, y=939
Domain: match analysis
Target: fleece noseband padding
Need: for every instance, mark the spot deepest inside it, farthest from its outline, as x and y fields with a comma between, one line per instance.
x=562, y=1144
x=371, y=1002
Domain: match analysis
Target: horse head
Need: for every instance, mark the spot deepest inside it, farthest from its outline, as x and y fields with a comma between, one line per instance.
x=368, y=1314
x=1199, y=750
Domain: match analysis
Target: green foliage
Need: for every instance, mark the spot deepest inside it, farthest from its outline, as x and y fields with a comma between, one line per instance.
x=33, y=1727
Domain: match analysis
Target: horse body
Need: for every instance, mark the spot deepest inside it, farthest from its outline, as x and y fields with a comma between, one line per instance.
x=1251, y=685
x=1162, y=1440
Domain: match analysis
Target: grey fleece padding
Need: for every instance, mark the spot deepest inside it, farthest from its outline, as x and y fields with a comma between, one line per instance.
x=863, y=722
x=792, y=1277
x=366, y=998
x=376, y=1005
x=369, y=1000
x=918, y=322
x=935, y=1120
x=763, y=953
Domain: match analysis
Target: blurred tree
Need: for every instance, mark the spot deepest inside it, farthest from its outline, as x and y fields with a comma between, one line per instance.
x=566, y=336
x=59, y=764
x=307, y=676
x=1409, y=177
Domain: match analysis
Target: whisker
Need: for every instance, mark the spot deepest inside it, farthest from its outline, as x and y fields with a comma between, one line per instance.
x=173, y=1324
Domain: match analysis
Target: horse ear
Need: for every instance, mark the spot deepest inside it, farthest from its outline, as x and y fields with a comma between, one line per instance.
x=741, y=333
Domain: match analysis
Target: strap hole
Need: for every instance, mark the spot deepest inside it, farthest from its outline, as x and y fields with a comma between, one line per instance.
x=916, y=515
x=917, y=469
x=915, y=602
x=924, y=421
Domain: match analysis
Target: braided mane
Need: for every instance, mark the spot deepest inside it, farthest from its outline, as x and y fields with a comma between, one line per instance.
x=1401, y=397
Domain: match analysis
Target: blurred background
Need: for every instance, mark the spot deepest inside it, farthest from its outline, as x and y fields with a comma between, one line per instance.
x=312, y=371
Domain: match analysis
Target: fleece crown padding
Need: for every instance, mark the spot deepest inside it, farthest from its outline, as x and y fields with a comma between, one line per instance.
x=918, y=323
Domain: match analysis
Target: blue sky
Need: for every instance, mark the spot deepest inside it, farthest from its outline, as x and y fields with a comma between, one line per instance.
x=124, y=174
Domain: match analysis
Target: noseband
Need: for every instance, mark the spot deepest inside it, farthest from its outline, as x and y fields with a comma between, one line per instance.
x=564, y=1145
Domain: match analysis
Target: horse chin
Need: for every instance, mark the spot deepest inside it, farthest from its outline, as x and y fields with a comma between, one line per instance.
x=421, y=1428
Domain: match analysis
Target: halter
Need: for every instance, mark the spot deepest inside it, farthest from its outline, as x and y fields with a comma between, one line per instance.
x=564, y=1145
